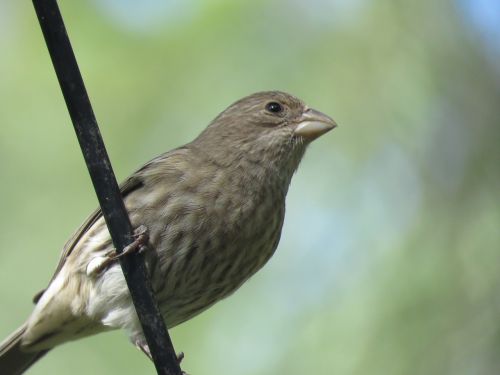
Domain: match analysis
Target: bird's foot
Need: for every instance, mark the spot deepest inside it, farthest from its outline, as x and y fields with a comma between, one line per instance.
x=142, y=345
x=99, y=264
x=180, y=357
x=141, y=238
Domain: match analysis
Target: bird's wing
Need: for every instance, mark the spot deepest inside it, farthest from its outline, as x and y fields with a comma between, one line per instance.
x=132, y=183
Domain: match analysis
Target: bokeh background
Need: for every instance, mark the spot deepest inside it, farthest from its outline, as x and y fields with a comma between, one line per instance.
x=390, y=258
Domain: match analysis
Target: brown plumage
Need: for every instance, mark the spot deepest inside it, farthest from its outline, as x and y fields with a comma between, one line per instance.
x=214, y=209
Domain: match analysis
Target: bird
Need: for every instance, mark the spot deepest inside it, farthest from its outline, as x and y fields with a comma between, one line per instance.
x=214, y=210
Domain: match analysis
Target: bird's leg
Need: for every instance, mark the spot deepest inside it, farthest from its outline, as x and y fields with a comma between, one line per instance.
x=141, y=238
x=180, y=357
x=142, y=345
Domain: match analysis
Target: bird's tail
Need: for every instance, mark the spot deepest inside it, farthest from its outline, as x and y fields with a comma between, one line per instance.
x=13, y=360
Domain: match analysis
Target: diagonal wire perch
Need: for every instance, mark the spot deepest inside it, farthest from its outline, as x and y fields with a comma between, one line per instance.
x=105, y=184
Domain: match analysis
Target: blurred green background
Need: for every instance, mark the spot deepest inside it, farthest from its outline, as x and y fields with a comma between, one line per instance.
x=390, y=258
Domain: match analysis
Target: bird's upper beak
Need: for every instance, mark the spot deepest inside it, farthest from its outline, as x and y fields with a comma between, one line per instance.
x=313, y=123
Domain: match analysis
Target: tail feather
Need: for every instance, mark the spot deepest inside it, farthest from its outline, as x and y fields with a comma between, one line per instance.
x=13, y=360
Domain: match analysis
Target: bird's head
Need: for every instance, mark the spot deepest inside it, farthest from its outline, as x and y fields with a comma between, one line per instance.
x=271, y=128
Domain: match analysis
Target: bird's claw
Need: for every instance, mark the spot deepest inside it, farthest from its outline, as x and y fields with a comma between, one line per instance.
x=141, y=239
x=180, y=357
x=139, y=245
x=143, y=347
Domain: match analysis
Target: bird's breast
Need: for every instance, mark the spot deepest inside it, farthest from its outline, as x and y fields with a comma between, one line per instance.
x=212, y=242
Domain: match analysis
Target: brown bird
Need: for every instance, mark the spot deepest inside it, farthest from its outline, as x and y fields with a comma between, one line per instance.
x=214, y=209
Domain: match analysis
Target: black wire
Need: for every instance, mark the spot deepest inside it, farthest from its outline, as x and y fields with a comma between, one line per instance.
x=105, y=184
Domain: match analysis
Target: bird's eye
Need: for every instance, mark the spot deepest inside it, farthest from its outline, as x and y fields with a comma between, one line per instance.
x=274, y=107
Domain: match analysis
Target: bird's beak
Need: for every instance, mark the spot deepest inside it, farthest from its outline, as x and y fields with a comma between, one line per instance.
x=313, y=123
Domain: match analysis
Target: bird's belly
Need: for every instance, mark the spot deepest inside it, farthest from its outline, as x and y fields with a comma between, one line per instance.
x=194, y=282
